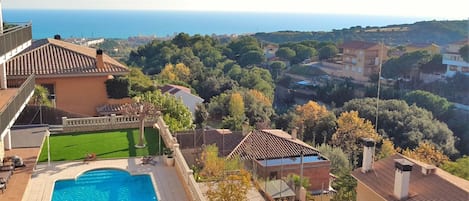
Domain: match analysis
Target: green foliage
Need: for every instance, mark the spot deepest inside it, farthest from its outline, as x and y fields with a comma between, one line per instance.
x=298, y=181
x=41, y=96
x=458, y=168
x=236, y=109
x=117, y=87
x=251, y=57
x=336, y=92
x=285, y=53
x=440, y=32
x=339, y=160
x=201, y=116
x=345, y=186
x=327, y=52
x=276, y=68
x=402, y=66
x=439, y=106
x=464, y=52
x=257, y=107
x=434, y=65
x=139, y=82
x=405, y=125
x=176, y=115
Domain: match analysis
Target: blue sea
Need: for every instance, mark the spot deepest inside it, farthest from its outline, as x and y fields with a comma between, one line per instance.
x=125, y=23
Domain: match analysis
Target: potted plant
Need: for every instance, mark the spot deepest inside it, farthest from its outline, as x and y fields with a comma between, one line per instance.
x=168, y=159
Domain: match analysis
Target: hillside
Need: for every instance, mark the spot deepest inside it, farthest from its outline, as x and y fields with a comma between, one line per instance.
x=439, y=32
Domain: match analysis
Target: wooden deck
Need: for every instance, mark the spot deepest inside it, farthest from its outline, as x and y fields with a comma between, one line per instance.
x=16, y=186
x=6, y=95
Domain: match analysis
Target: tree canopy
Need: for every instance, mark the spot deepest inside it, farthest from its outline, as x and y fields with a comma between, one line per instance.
x=438, y=105
x=405, y=125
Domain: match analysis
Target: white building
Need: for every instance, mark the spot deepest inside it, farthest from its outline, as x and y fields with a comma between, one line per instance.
x=13, y=39
x=453, y=60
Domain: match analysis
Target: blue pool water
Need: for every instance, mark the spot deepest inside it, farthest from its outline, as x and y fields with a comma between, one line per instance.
x=290, y=161
x=105, y=185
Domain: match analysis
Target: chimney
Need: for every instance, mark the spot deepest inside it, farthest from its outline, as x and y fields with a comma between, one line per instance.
x=368, y=152
x=402, y=178
x=428, y=169
x=99, y=59
x=294, y=133
x=57, y=37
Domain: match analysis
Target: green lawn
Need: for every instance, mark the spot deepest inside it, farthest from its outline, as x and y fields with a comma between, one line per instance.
x=106, y=144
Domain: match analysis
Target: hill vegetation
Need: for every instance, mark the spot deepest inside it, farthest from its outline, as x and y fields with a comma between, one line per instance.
x=439, y=32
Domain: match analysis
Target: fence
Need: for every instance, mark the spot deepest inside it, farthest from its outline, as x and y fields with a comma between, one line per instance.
x=102, y=123
x=16, y=103
x=185, y=173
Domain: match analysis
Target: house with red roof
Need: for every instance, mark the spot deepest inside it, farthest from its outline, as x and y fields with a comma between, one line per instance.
x=74, y=75
x=190, y=100
x=401, y=178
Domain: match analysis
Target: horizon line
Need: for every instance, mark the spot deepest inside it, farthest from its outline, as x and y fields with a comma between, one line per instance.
x=430, y=18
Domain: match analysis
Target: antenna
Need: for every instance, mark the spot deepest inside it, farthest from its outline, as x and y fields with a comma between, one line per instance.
x=379, y=83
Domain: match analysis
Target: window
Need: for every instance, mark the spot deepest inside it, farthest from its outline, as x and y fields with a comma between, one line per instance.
x=453, y=68
x=465, y=69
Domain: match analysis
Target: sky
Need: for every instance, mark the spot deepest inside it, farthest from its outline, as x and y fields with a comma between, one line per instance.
x=441, y=10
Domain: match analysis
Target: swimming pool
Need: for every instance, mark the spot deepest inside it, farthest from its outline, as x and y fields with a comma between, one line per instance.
x=105, y=185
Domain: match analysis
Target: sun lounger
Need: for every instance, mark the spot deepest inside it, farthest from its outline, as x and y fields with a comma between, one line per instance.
x=5, y=176
x=89, y=157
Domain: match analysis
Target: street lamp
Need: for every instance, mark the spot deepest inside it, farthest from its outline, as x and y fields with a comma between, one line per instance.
x=48, y=147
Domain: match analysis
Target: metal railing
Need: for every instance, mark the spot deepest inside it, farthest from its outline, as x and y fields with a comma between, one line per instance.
x=16, y=102
x=14, y=37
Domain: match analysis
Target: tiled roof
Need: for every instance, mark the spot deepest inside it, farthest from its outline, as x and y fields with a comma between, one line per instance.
x=108, y=109
x=358, y=45
x=436, y=186
x=225, y=139
x=51, y=57
x=172, y=89
x=268, y=144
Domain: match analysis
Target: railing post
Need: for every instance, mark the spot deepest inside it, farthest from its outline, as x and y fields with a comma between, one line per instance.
x=113, y=119
x=64, y=122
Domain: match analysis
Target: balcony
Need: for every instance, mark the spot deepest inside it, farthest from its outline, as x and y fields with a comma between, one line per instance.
x=13, y=100
x=13, y=40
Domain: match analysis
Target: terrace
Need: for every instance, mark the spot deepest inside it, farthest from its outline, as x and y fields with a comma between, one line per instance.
x=14, y=39
x=114, y=149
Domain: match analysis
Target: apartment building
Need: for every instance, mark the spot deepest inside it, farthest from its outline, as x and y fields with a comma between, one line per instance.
x=453, y=60
x=361, y=59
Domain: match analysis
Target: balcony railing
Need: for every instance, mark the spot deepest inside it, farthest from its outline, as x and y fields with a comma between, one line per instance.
x=16, y=102
x=15, y=36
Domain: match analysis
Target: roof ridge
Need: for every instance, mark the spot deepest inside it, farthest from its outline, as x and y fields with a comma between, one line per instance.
x=239, y=144
x=304, y=144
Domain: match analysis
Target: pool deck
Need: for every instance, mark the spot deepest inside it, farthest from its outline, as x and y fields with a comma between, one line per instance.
x=168, y=185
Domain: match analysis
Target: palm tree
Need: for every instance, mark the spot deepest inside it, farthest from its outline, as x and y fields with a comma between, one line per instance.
x=142, y=110
x=40, y=98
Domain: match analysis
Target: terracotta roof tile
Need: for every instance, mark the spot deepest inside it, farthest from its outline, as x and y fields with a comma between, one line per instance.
x=172, y=89
x=358, y=45
x=435, y=186
x=268, y=144
x=50, y=57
